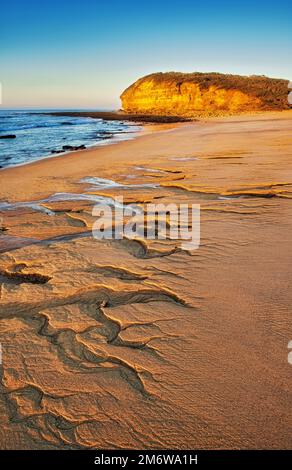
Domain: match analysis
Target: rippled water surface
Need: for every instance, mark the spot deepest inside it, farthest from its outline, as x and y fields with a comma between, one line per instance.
x=38, y=134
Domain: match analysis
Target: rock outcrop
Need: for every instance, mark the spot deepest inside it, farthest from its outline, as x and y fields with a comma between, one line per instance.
x=8, y=136
x=204, y=94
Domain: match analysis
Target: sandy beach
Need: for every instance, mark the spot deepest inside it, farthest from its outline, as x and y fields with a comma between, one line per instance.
x=140, y=344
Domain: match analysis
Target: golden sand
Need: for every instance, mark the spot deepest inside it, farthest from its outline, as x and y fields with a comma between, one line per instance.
x=138, y=344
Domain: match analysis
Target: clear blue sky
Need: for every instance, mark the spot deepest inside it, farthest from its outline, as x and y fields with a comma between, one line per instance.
x=83, y=53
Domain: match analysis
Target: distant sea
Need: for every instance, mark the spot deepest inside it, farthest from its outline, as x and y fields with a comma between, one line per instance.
x=39, y=134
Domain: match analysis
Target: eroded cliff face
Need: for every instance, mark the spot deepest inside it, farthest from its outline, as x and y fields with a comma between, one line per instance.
x=198, y=94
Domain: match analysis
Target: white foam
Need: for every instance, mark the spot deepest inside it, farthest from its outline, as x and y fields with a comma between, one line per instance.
x=106, y=184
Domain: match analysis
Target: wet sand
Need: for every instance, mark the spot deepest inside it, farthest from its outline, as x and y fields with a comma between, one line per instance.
x=139, y=344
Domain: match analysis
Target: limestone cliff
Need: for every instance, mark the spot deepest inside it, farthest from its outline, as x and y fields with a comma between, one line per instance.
x=199, y=94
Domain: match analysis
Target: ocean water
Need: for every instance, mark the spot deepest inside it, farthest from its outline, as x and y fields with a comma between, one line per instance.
x=38, y=134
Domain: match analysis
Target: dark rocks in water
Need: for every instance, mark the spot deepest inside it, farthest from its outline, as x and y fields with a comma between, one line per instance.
x=69, y=148
x=6, y=157
x=106, y=132
x=67, y=123
x=104, y=135
x=8, y=136
x=73, y=147
x=122, y=116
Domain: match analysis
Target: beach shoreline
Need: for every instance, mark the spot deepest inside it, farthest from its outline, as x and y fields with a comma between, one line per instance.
x=42, y=166
x=38, y=135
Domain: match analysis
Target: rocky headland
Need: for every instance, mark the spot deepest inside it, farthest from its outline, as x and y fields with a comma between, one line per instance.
x=197, y=94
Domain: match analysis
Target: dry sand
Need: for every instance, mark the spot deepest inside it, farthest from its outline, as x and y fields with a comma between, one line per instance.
x=124, y=344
